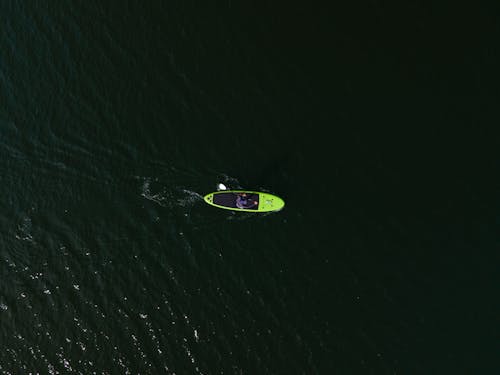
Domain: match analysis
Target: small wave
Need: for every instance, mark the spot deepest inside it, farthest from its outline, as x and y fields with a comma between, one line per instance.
x=168, y=197
x=160, y=197
x=24, y=230
x=190, y=197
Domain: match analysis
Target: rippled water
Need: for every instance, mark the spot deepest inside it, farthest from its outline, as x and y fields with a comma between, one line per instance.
x=115, y=120
x=111, y=263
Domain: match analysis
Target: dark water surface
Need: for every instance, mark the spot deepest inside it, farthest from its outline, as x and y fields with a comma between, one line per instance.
x=115, y=120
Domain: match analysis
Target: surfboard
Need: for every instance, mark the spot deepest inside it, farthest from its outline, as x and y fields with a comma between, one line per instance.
x=243, y=200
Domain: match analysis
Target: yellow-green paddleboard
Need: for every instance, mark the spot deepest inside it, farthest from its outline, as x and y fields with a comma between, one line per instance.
x=242, y=200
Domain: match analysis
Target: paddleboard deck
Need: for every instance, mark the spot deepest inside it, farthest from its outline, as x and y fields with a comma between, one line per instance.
x=243, y=200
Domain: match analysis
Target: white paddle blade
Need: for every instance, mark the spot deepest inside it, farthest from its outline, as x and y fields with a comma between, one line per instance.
x=221, y=186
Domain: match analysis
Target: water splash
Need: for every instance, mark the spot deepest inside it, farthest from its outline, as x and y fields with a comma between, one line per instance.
x=168, y=196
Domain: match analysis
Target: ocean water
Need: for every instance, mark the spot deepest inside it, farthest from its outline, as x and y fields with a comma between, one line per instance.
x=116, y=118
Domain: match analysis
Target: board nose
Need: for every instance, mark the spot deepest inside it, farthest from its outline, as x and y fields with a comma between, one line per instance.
x=271, y=203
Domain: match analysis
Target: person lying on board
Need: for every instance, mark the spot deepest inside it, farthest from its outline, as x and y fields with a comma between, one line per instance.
x=244, y=201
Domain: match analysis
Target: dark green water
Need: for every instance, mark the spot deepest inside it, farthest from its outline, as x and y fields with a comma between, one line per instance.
x=116, y=119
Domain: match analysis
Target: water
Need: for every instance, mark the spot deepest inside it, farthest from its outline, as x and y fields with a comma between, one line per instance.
x=115, y=120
